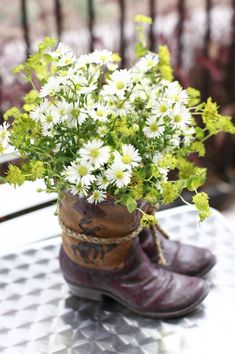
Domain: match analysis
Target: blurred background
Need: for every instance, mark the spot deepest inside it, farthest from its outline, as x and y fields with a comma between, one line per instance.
x=199, y=33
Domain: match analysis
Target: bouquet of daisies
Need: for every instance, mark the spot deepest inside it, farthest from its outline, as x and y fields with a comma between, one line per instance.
x=95, y=130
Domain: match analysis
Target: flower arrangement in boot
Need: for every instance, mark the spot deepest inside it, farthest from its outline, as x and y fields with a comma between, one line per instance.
x=101, y=133
x=91, y=128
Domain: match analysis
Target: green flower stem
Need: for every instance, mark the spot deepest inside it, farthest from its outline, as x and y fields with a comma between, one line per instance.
x=185, y=202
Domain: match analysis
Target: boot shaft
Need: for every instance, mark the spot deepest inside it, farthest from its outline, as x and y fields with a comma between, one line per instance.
x=104, y=220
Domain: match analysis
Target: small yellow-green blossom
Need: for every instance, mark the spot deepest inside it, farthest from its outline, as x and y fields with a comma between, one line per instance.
x=170, y=191
x=214, y=121
x=147, y=220
x=201, y=201
x=13, y=112
x=194, y=96
x=198, y=147
x=168, y=161
x=165, y=63
x=143, y=19
x=15, y=176
x=37, y=169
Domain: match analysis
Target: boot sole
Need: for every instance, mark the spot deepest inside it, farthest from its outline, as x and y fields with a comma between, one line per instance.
x=97, y=295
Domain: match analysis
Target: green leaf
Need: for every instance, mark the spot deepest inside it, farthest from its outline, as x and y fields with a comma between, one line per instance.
x=199, y=133
x=131, y=204
x=17, y=69
x=140, y=50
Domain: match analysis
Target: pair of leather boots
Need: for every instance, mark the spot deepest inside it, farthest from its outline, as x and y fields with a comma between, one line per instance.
x=101, y=256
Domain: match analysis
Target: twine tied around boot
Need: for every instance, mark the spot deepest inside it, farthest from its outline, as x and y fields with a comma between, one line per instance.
x=93, y=239
x=161, y=259
x=118, y=240
x=154, y=230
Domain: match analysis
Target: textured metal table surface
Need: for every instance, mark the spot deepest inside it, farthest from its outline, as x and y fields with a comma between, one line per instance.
x=38, y=315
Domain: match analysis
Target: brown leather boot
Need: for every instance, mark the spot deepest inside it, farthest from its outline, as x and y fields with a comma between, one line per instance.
x=179, y=257
x=100, y=256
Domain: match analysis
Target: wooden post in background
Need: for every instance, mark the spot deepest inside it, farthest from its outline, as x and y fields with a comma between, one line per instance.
x=25, y=27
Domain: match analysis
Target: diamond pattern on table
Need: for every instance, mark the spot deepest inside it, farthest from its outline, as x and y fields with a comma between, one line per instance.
x=38, y=315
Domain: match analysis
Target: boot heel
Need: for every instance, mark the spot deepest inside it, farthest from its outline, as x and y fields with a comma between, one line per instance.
x=85, y=293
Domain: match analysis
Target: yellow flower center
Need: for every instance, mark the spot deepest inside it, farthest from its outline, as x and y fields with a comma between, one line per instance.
x=99, y=113
x=176, y=97
x=49, y=118
x=154, y=127
x=103, y=57
x=119, y=174
x=82, y=170
x=126, y=159
x=96, y=194
x=163, y=108
x=95, y=153
x=150, y=63
x=120, y=85
x=177, y=118
x=74, y=112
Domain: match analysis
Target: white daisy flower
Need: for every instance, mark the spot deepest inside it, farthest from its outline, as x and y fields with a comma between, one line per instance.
x=99, y=112
x=138, y=93
x=117, y=84
x=95, y=153
x=176, y=93
x=79, y=172
x=188, y=135
x=157, y=157
x=84, y=60
x=175, y=141
x=102, y=182
x=79, y=190
x=102, y=56
x=66, y=59
x=162, y=108
x=130, y=156
x=136, y=76
x=97, y=197
x=119, y=175
x=81, y=84
x=163, y=172
x=63, y=108
x=180, y=116
x=4, y=136
x=48, y=120
x=112, y=66
x=147, y=62
x=53, y=86
x=60, y=50
x=63, y=54
x=123, y=110
x=39, y=110
x=155, y=127
x=76, y=116
x=102, y=131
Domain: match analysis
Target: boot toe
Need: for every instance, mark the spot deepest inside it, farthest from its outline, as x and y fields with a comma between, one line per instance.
x=208, y=261
x=193, y=261
x=187, y=293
